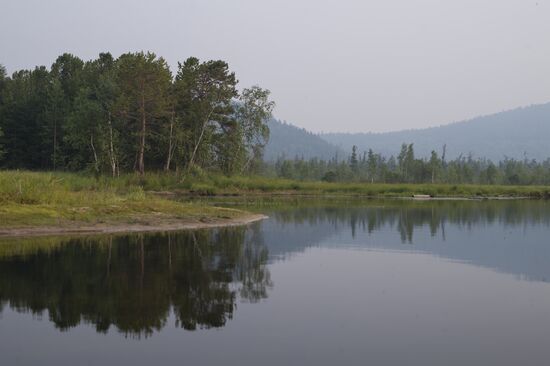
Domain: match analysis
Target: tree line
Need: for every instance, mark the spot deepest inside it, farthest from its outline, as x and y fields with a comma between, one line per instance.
x=131, y=114
x=373, y=167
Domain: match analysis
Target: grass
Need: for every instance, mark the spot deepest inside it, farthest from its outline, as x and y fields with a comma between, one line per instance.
x=210, y=185
x=46, y=199
x=30, y=199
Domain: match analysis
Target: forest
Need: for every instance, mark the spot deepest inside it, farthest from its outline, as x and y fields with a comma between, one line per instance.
x=112, y=115
x=372, y=167
x=131, y=114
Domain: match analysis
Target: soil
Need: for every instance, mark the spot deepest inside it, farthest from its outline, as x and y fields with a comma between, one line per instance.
x=150, y=225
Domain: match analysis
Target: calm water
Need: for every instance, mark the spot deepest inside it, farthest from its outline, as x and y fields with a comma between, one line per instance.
x=318, y=283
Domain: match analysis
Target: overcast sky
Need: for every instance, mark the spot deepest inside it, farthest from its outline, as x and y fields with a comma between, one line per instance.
x=346, y=65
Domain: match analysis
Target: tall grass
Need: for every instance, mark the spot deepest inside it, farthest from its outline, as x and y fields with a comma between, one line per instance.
x=35, y=198
x=46, y=188
x=243, y=185
x=23, y=187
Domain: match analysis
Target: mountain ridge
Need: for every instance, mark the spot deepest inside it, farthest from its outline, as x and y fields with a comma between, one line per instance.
x=516, y=133
x=290, y=141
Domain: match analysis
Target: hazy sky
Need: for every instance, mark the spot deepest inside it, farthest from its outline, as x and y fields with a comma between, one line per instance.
x=347, y=65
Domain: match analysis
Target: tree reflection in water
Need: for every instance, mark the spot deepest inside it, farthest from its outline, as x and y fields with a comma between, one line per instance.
x=133, y=282
x=404, y=216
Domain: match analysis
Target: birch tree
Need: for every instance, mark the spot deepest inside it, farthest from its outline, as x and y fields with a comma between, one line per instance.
x=253, y=112
x=205, y=92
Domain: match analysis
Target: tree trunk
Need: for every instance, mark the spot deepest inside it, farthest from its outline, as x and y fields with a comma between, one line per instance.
x=54, y=140
x=249, y=159
x=112, y=156
x=203, y=129
x=141, y=154
x=96, y=161
x=245, y=166
x=170, y=147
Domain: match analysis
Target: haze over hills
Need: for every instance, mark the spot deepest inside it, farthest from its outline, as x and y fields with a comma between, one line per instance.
x=290, y=141
x=518, y=133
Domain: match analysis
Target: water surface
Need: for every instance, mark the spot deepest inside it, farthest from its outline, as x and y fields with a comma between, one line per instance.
x=318, y=283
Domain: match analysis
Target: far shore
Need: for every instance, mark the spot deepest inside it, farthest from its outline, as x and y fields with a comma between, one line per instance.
x=298, y=194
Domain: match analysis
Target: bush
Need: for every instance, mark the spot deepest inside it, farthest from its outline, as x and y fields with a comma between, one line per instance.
x=330, y=176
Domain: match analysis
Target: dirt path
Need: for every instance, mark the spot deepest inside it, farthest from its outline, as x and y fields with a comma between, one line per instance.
x=152, y=226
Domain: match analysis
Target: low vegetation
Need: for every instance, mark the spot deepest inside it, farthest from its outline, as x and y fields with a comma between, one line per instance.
x=29, y=199
x=221, y=185
x=71, y=200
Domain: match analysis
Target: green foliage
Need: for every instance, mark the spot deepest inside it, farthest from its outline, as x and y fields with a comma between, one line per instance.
x=329, y=176
x=406, y=168
x=1, y=145
x=2, y=87
x=117, y=115
x=353, y=162
x=144, y=82
x=204, y=92
x=252, y=113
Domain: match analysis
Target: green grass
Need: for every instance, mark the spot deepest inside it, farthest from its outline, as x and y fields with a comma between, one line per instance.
x=29, y=199
x=212, y=184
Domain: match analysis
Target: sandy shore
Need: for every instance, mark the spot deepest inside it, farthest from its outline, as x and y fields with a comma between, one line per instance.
x=152, y=226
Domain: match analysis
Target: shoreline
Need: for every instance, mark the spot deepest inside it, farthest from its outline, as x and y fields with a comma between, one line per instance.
x=47, y=204
x=341, y=195
x=165, y=223
x=290, y=194
x=153, y=226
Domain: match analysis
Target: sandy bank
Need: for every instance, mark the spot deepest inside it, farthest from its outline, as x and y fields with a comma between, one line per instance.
x=150, y=225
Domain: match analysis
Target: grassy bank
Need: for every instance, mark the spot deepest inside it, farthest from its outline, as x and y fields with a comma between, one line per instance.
x=29, y=199
x=212, y=185
x=216, y=185
x=61, y=199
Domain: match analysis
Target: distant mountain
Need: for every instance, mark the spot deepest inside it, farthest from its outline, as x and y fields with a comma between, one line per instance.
x=290, y=141
x=516, y=133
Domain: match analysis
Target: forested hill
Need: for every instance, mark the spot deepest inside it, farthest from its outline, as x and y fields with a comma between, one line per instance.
x=515, y=134
x=290, y=141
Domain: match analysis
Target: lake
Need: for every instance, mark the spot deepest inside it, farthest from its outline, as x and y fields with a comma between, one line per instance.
x=333, y=282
